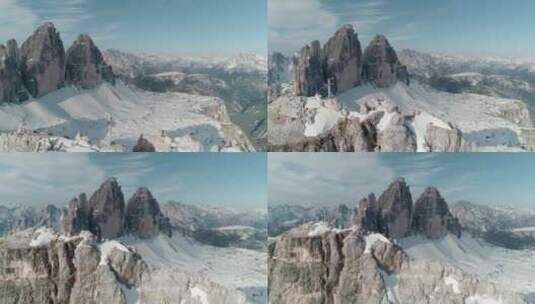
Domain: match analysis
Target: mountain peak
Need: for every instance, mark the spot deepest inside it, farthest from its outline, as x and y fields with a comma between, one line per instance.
x=85, y=65
x=395, y=216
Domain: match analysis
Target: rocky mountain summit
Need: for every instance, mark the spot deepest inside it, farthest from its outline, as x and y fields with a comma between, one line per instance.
x=41, y=65
x=85, y=64
x=341, y=65
x=103, y=250
x=107, y=216
x=419, y=102
x=396, y=216
x=375, y=260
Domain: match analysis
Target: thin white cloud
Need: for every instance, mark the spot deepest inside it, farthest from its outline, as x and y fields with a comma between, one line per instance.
x=323, y=178
x=15, y=20
x=46, y=179
x=20, y=18
x=292, y=24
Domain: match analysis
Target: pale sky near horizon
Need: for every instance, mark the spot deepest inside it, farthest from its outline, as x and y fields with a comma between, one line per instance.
x=476, y=27
x=496, y=179
x=187, y=27
x=211, y=179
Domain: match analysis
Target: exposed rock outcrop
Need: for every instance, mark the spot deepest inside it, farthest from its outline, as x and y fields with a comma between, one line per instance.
x=353, y=266
x=77, y=216
x=107, y=216
x=108, y=209
x=143, y=216
x=432, y=217
x=143, y=145
x=43, y=61
x=368, y=214
x=333, y=267
x=40, y=267
x=394, y=215
x=340, y=65
x=85, y=65
x=381, y=65
x=41, y=65
x=342, y=60
x=309, y=76
x=396, y=210
x=439, y=139
x=11, y=84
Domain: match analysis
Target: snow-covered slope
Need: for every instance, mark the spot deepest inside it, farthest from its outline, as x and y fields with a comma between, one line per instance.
x=487, y=123
x=117, y=115
x=512, y=269
x=234, y=268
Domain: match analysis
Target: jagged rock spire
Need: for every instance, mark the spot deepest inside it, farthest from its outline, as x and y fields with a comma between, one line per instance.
x=340, y=65
x=143, y=216
x=381, y=65
x=85, y=64
x=394, y=215
x=432, y=216
x=342, y=60
x=396, y=209
x=43, y=61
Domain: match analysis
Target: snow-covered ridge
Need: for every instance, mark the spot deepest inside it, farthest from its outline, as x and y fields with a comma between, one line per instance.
x=487, y=123
x=116, y=115
x=509, y=268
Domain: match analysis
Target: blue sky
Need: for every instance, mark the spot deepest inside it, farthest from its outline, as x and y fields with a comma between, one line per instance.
x=190, y=27
x=498, y=179
x=229, y=180
x=475, y=27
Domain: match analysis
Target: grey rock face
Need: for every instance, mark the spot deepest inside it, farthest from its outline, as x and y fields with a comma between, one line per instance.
x=108, y=209
x=337, y=65
x=352, y=135
x=85, y=65
x=36, y=274
x=128, y=266
x=395, y=216
x=368, y=214
x=11, y=84
x=439, y=139
x=43, y=61
x=396, y=210
x=381, y=65
x=143, y=216
x=309, y=78
x=432, y=216
x=342, y=59
x=329, y=268
x=143, y=145
x=66, y=270
x=77, y=216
